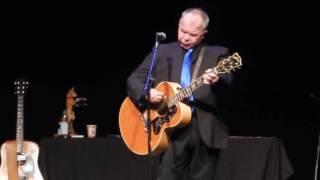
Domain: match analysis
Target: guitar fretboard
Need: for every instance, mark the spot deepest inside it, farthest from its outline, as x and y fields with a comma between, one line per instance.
x=185, y=92
x=19, y=135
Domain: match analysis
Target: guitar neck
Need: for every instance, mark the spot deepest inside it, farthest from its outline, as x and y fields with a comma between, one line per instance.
x=185, y=92
x=19, y=132
x=224, y=66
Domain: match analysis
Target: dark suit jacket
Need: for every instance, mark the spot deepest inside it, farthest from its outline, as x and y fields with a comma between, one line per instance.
x=208, y=99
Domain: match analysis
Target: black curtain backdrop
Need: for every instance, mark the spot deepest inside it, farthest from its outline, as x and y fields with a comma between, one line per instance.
x=94, y=47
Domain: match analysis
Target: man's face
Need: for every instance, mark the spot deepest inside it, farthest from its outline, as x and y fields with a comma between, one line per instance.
x=190, y=31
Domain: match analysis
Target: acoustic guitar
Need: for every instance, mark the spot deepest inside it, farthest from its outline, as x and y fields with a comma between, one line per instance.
x=171, y=114
x=18, y=157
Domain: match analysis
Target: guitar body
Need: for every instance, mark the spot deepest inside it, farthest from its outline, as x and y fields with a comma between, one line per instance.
x=133, y=127
x=10, y=169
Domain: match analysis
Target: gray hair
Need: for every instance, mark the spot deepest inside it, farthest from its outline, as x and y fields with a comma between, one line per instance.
x=200, y=12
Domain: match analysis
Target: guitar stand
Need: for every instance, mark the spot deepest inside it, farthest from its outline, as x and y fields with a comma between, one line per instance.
x=317, y=160
x=316, y=98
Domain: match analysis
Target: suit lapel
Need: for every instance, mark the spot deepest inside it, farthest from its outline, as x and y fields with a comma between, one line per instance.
x=178, y=58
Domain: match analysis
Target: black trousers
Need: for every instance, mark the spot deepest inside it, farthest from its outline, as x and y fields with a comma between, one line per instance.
x=188, y=158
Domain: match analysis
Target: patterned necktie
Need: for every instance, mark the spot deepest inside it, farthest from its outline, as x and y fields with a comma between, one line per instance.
x=186, y=70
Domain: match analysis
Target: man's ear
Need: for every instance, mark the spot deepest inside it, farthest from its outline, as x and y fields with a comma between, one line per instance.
x=204, y=34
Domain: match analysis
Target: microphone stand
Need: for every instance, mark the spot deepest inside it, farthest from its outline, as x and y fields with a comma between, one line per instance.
x=146, y=94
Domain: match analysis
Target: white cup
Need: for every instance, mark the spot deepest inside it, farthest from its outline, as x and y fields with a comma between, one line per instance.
x=91, y=130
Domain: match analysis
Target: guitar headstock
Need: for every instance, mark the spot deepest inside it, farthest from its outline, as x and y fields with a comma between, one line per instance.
x=228, y=64
x=21, y=86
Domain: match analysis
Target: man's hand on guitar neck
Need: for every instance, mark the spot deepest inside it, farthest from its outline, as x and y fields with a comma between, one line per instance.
x=210, y=77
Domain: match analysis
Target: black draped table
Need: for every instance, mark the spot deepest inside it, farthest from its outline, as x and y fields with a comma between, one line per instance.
x=254, y=158
x=246, y=158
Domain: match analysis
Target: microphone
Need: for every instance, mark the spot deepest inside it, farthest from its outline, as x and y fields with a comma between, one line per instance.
x=160, y=36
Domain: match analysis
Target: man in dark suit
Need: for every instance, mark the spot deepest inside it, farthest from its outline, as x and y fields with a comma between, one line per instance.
x=193, y=150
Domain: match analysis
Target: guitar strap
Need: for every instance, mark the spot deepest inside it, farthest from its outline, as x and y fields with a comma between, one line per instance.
x=199, y=60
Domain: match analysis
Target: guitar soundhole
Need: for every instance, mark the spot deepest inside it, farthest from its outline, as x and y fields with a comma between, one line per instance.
x=159, y=121
x=163, y=108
